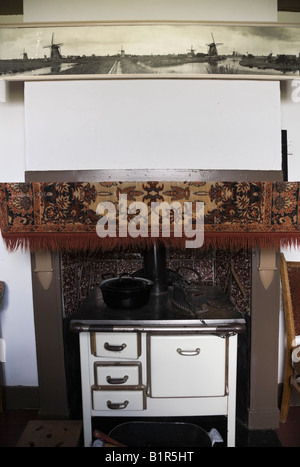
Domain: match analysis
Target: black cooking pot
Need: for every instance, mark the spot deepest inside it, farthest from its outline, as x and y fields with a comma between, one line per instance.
x=126, y=291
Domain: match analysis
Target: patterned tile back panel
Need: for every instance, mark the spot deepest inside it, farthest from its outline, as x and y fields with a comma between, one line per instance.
x=231, y=271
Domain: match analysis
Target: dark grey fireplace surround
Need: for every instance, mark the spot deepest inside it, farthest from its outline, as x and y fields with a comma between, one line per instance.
x=257, y=403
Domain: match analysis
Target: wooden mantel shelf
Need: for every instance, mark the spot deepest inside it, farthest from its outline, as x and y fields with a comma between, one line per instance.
x=5, y=81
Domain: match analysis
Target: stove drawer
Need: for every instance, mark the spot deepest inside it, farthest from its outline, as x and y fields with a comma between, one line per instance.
x=116, y=344
x=187, y=366
x=116, y=400
x=109, y=374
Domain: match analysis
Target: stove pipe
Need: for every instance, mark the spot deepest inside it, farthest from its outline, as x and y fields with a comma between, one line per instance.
x=155, y=268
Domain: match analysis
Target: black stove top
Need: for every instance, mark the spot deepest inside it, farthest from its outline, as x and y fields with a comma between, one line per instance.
x=159, y=311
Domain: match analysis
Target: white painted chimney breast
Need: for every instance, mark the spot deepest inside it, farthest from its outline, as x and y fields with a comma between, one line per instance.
x=123, y=124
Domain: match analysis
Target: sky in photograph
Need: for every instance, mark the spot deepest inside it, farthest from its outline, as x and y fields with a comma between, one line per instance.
x=148, y=39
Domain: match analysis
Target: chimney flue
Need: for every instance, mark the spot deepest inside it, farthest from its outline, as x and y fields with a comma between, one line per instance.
x=155, y=268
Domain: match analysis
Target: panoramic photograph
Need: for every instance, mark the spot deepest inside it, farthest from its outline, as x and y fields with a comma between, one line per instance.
x=153, y=49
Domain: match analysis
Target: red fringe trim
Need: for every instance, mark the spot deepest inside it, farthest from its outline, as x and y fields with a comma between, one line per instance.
x=83, y=242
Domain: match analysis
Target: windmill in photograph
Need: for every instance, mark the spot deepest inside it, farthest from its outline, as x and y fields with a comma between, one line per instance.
x=54, y=50
x=191, y=51
x=212, y=48
x=122, y=52
x=24, y=55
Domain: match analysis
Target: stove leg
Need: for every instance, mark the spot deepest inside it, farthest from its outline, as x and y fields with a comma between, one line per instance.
x=86, y=388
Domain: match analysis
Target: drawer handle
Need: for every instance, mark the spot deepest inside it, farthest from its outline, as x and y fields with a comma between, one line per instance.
x=111, y=380
x=114, y=348
x=117, y=405
x=189, y=353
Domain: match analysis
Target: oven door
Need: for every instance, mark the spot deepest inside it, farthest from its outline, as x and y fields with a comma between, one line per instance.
x=186, y=366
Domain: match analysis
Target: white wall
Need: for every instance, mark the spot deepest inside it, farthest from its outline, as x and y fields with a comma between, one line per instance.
x=290, y=114
x=288, y=17
x=93, y=10
x=17, y=316
x=290, y=118
x=17, y=320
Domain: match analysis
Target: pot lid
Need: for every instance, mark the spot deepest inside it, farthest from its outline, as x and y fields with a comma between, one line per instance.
x=125, y=283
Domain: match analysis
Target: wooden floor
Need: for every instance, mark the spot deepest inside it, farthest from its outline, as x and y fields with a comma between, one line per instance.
x=289, y=432
x=13, y=422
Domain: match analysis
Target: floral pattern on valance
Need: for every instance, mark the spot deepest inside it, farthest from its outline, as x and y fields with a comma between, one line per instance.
x=63, y=216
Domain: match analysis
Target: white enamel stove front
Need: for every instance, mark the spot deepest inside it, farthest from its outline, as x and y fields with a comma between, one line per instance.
x=156, y=374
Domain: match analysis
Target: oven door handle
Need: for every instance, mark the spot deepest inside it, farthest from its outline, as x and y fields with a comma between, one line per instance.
x=189, y=353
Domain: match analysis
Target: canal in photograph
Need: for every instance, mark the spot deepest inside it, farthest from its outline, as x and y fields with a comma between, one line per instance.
x=127, y=65
x=227, y=66
x=48, y=70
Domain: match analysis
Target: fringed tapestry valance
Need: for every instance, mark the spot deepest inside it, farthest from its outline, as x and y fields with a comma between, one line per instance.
x=64, y=216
